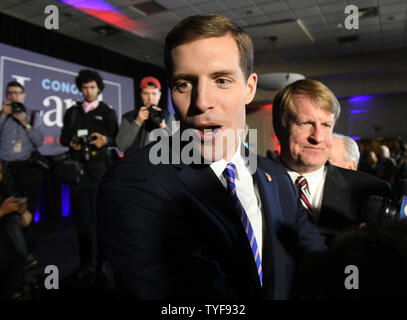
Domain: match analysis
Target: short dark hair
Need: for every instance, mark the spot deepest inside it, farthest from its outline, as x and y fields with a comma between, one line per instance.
x=85, y=76
x=14, y=84
x=204, y=26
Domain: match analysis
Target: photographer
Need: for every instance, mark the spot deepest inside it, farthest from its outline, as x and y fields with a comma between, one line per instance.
x=137, y=125
x=14, y=216
x=20, y=137
x=89, y=128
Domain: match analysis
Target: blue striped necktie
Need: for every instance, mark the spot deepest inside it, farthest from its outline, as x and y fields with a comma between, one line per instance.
x=230, y=175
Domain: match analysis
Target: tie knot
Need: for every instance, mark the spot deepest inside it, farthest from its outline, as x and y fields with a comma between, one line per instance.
x=301, y=181
x=230, y=171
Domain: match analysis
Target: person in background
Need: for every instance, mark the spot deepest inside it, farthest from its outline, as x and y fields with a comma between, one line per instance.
x=136, y=125
x=304, y=115
x=386, y=166
x=14, y=217
x=20, y=137
x=89, y=128
x=344, y=152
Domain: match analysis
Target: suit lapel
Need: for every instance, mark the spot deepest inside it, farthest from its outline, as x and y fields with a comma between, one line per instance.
x=333, y=195
x=272, y=220
x=206, y=187
x=202, y=182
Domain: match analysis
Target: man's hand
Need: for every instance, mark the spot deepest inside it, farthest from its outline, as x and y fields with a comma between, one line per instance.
x=9, y=205
x=21, y=117
x=100, y=141
x=6, y=109
x=22, y=207
x=26, y=218
x=75, y=146
x=163, y=124
x=142, y=115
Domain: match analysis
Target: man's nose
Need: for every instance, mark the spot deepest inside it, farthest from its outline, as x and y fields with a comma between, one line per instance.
x=317, y=134
x=203, y=96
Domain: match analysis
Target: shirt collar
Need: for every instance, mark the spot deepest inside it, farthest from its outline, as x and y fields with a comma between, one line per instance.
x=89, y=106
x=219, y=166
x=308, y=175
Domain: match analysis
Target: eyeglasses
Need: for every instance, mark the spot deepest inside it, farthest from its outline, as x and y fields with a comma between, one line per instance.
x=14, y=92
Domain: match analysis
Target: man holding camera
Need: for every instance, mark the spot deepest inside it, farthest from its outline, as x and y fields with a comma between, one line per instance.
x=136, y=126
x=20, y=135
x=89, y=128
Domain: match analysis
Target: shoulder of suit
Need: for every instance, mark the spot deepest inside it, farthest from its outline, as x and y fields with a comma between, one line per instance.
x=274, y=167
x=357, y=175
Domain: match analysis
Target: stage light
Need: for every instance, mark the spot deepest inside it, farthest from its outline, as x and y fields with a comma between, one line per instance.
x=358, y=99
x=357, y=111
x=106, y=12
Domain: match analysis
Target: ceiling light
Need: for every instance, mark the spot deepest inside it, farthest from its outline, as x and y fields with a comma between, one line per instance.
x=278, y=80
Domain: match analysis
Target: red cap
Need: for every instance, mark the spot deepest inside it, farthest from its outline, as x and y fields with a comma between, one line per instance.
x=150, y=82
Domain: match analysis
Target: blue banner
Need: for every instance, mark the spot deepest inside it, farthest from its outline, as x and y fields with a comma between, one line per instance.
x=50, y=88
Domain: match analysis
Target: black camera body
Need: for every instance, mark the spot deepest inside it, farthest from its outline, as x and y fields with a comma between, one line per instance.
x=84, y=142
x=155, y=116
x=17, y=107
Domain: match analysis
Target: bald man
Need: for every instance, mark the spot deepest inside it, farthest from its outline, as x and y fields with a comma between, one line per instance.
x=345, y=152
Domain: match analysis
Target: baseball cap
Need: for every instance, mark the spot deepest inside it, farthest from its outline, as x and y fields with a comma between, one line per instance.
x=148, y=82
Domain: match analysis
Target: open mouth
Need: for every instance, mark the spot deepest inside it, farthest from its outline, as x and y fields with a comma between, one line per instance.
x=208, y=132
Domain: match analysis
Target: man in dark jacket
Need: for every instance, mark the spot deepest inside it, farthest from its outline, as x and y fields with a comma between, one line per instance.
x=89, y=128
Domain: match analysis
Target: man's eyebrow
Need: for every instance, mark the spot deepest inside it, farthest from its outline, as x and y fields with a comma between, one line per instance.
x=223, y=73
x=190, y=77
x=183, y=76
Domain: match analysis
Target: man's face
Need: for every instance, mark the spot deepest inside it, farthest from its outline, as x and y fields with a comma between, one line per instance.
x=150, y=96
x=15, y=94
x=306, y=141
x=90, y=91
x=209, y=92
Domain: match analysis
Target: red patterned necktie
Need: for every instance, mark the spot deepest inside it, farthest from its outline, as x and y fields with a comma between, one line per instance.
x=302, y=186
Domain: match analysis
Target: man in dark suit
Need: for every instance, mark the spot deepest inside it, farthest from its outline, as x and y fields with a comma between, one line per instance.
x=304, y=114
x=228, y=228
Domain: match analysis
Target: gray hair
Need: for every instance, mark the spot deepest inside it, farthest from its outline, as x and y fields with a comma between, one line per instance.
x=351, y=148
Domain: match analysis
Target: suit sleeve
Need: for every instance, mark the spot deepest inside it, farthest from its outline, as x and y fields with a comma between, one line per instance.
x=310, y=240
x=127, y=134
x=141, y=230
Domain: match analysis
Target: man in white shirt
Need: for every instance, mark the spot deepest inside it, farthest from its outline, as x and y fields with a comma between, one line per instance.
x=232, y=229
x=304, y=115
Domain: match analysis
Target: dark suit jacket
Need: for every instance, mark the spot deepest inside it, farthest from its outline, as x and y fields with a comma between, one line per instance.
x=171, y=231
x=345, y=192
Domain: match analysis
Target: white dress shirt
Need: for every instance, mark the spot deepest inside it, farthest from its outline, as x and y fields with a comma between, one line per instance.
x=247, y=192
x=316, y=181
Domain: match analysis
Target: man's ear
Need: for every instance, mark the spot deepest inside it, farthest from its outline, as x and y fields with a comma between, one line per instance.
x=251, y=86
x=352, y=165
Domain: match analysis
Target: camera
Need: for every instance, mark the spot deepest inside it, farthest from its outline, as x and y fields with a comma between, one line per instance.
x=17, y=107
x=84, y=142
x=156, y=116
x=379, y=209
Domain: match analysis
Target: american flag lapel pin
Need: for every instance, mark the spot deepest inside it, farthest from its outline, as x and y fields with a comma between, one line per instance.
x=268, y=177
